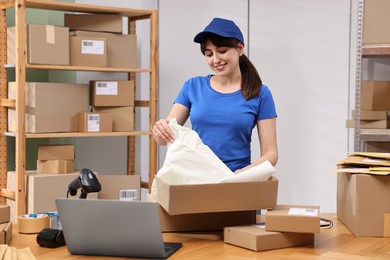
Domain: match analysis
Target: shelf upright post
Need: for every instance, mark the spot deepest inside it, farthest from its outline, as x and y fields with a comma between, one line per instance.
x=20, y=78
x=358, y=81
x=3, y=95
x=153, y=94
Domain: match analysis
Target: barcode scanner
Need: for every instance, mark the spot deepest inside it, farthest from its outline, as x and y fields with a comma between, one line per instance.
x=88, y=183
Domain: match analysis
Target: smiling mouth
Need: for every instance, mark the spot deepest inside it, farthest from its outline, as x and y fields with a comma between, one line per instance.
x=219, y=66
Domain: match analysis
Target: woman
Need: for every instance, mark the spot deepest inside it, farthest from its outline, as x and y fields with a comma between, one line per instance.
x=225, y=107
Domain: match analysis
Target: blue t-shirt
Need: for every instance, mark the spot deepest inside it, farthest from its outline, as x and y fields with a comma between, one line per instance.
x=225, y=122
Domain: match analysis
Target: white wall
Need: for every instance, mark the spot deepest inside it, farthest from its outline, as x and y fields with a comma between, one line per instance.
x=301, y=49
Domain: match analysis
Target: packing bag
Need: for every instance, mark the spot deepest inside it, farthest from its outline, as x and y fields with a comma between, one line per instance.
x=189, y=161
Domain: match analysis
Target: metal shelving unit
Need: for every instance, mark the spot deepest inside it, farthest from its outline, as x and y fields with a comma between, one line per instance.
x=20, y=135
x=366, y=51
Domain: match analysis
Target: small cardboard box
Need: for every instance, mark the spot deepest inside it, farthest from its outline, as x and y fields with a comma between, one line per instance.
x=50, y=107
x=256, y=238
x=43, y=189
x=88, y=51
x=371, y=115
x=122, y=117
x=121, y=48
x=369, y=124
x=4, y=213
x=94, y=22
x=120, y=187
x=55, y=166
x=95, y=122
x=376, y=17
x=45, y=44
x=362, y=203
x=220, y=197
x=378, y=147
x=288, y=218
x=5, y=232
x=111, y=93
x=203, y=221
x=374, y=95
x=56, y=152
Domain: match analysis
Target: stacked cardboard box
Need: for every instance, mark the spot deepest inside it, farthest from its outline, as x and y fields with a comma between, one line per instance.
x=285, y=226
x=374, y=106
x=116, y=98
x=5, y=224
x=55, y=159
x=363, y=189
x=45, y=44
x=99, y=40
x=50, y=107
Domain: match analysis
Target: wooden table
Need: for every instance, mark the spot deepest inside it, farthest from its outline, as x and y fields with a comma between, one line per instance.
x=334, y=243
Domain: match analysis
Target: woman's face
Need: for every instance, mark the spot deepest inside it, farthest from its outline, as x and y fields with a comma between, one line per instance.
x=223, y=60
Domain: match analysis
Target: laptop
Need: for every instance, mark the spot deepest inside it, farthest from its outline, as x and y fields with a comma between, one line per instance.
x=113, y=228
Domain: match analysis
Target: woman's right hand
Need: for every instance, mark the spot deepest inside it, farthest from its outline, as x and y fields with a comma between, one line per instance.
x=162, y=133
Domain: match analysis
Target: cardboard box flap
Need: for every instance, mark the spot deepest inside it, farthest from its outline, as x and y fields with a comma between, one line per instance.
x=219, y=197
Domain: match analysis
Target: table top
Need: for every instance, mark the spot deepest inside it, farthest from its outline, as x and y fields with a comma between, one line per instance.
x=334, y=243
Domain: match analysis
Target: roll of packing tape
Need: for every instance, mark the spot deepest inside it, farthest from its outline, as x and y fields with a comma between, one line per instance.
x=33, y=223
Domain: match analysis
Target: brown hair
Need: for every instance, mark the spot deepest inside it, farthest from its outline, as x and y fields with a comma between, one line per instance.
x=251, y=81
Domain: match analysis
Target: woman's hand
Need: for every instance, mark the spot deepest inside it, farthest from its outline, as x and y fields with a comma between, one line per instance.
x=162, y=133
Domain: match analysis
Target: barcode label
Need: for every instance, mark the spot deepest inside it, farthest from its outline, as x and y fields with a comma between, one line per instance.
x=88, y=43
x=101, y=85
x=93, y=123
x=303, y=211
x=128, y=194
x=106, y=88
x=92, y=47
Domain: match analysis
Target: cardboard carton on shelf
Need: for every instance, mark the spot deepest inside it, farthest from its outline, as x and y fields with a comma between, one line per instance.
x=375, y=17
x=256, y=238
x=122, y=117
x=219, y=197
x=112, y=93
x=95, y=122
x=121, y=48
x=50, y=107
x=113, y=187
x=88, y=51
x=4, y=213
x=56, y=152
x=55, y=166
x=45, y=44
x=94, y=22
x=374, y=95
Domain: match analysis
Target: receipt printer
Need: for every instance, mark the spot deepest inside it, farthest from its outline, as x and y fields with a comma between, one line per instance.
x=51, y=238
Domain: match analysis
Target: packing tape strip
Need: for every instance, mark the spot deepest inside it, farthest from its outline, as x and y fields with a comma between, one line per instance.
x=33, y=223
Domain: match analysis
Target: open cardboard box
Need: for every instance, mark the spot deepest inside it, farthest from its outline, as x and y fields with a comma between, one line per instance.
x=218, y=197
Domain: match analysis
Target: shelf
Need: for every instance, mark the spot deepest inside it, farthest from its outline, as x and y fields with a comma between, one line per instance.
x=81, y=68
x=376, y=49
x=71, y=7
x=73, y=134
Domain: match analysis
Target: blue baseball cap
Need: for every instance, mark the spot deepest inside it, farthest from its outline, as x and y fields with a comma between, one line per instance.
x=221, y=27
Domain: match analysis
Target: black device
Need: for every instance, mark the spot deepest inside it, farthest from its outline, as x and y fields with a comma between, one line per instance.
x=50, y=238
x=88, y=183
